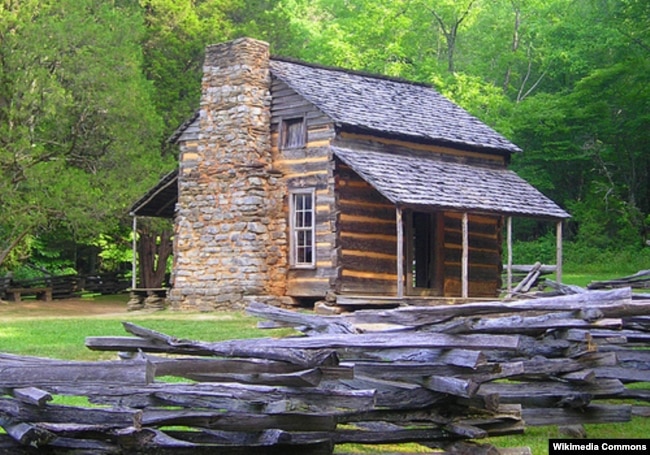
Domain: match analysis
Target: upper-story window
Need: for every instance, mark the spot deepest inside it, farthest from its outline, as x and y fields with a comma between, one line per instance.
x=292, y=133
x=303, y=228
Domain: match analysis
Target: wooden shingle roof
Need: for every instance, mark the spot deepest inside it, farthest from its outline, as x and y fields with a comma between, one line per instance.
x=388, y=106
x=382, y=105
x=421, y=182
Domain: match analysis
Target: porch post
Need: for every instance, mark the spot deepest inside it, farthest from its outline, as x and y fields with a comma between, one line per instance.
x=400, y=252
x=134, y=245
x=465, y=258
x=558, y=260
x=509, y=265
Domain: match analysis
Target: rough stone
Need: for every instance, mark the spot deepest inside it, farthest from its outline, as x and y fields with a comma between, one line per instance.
x=229, y=209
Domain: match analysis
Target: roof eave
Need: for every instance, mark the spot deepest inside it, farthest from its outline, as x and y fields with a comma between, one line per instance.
x=164, y=183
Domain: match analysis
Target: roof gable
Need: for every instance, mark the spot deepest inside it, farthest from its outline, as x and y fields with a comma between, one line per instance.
x=388, y=106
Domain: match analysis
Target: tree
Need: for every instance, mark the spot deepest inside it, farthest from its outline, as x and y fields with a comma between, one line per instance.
x=154, y=249
x=78, y=133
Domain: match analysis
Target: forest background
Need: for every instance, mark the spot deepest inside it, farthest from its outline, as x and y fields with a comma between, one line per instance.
x=91, y=89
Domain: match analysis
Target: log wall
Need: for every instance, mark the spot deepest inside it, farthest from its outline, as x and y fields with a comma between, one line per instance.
x=368, y=237
x=485, y=248
x=307, y=167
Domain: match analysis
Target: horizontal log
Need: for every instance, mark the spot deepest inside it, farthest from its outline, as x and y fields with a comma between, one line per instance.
x=28, y=374
x=454, y=357
x=624, y=374
x=550, y=394
x=567, y=416
x=395, y=394
x=632, y=336
x=182, y=366
x=307, y=359
x=615, y=303
x=525, y=324
x=636, y=394
x=313, y=324
x=542, y=366
x=381, y=341
x=248, y=371
x=303, y=378
x=233, y=421
x=410, y=371
x=321, y=347
x=639, y=359
x=526, y=268
x=236, y=397
x=269, y=442
x=69, y=414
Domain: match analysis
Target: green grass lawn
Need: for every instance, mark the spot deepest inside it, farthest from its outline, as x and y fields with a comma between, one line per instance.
x=63, y=338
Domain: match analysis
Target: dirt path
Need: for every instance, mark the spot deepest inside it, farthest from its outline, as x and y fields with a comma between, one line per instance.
x=63, y=308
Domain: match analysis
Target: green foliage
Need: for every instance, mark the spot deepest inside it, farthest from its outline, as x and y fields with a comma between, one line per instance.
x=114, y=252
x=90, y=90
x=542, y=249
x=76, y=121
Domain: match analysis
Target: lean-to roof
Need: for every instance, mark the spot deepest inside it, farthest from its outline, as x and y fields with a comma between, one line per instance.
x=420, y=182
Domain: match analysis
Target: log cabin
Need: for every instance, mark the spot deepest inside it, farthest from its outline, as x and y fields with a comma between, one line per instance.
x=298, y=182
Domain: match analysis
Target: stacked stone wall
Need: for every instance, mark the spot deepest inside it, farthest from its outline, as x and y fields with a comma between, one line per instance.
x=230, y=242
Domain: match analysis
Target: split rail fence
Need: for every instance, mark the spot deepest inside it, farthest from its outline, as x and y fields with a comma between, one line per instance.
x=430, y=375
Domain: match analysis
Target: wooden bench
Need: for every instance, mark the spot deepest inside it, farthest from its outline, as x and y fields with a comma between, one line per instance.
x=15, y=294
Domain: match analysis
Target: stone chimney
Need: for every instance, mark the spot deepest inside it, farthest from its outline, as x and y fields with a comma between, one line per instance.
x=230, y=239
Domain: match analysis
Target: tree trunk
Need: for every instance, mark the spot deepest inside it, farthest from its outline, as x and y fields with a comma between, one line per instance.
x=153, y=251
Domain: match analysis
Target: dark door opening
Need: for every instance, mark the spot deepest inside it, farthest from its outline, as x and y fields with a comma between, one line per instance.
x=424, y=265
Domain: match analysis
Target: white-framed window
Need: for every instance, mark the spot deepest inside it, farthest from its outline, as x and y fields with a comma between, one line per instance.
x=292, y=133
x=302, y=210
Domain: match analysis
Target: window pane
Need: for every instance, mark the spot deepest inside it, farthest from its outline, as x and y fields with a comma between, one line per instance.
x=303, y=226
x=307, y=202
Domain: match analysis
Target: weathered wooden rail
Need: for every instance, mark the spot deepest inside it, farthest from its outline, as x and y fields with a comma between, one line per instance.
x=62, y=287
x=427, y=375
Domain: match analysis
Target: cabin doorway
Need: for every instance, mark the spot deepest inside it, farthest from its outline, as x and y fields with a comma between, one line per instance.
x=424, y=254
